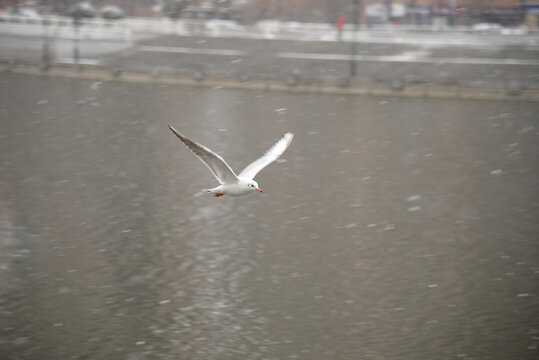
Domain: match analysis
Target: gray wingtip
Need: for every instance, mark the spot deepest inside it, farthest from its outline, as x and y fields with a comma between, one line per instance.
x=176, y=132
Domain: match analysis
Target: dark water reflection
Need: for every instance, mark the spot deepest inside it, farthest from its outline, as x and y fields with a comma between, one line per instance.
x=395, y=229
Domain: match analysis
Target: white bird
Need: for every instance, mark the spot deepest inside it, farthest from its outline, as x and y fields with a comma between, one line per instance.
x=232, y=184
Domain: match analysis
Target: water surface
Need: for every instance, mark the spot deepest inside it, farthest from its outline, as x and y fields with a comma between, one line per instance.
x=391, y=229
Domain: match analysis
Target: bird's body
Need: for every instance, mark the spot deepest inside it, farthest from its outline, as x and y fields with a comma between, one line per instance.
x=230, y=183
x=236, y=189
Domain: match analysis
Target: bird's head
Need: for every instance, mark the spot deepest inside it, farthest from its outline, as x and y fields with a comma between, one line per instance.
x=253, y=185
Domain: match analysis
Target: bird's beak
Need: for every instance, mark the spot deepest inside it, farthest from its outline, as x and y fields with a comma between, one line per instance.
x=259, y=189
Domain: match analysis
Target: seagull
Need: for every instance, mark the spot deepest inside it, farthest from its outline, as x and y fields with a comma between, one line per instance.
x=230, y=183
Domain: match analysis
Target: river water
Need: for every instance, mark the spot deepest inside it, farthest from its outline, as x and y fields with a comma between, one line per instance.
x=391, y=228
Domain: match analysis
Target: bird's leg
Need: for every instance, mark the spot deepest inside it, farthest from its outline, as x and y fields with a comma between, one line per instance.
x=218, y=194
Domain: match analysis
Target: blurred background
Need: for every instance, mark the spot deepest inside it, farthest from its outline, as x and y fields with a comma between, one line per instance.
x=402, y=222
x=457, y=12
x=403, y=46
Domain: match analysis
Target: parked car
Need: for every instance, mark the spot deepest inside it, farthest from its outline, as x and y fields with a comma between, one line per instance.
x=82, y=9
x=26, y=11
x=111, y=12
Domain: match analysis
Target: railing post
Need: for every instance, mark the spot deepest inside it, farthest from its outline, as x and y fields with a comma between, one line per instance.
x=353, y=46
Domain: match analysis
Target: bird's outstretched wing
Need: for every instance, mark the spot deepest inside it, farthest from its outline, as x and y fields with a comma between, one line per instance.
x=271, y=155
x=217, y=165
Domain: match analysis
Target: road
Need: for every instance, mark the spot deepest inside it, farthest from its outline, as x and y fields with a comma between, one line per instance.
x=330, y=60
